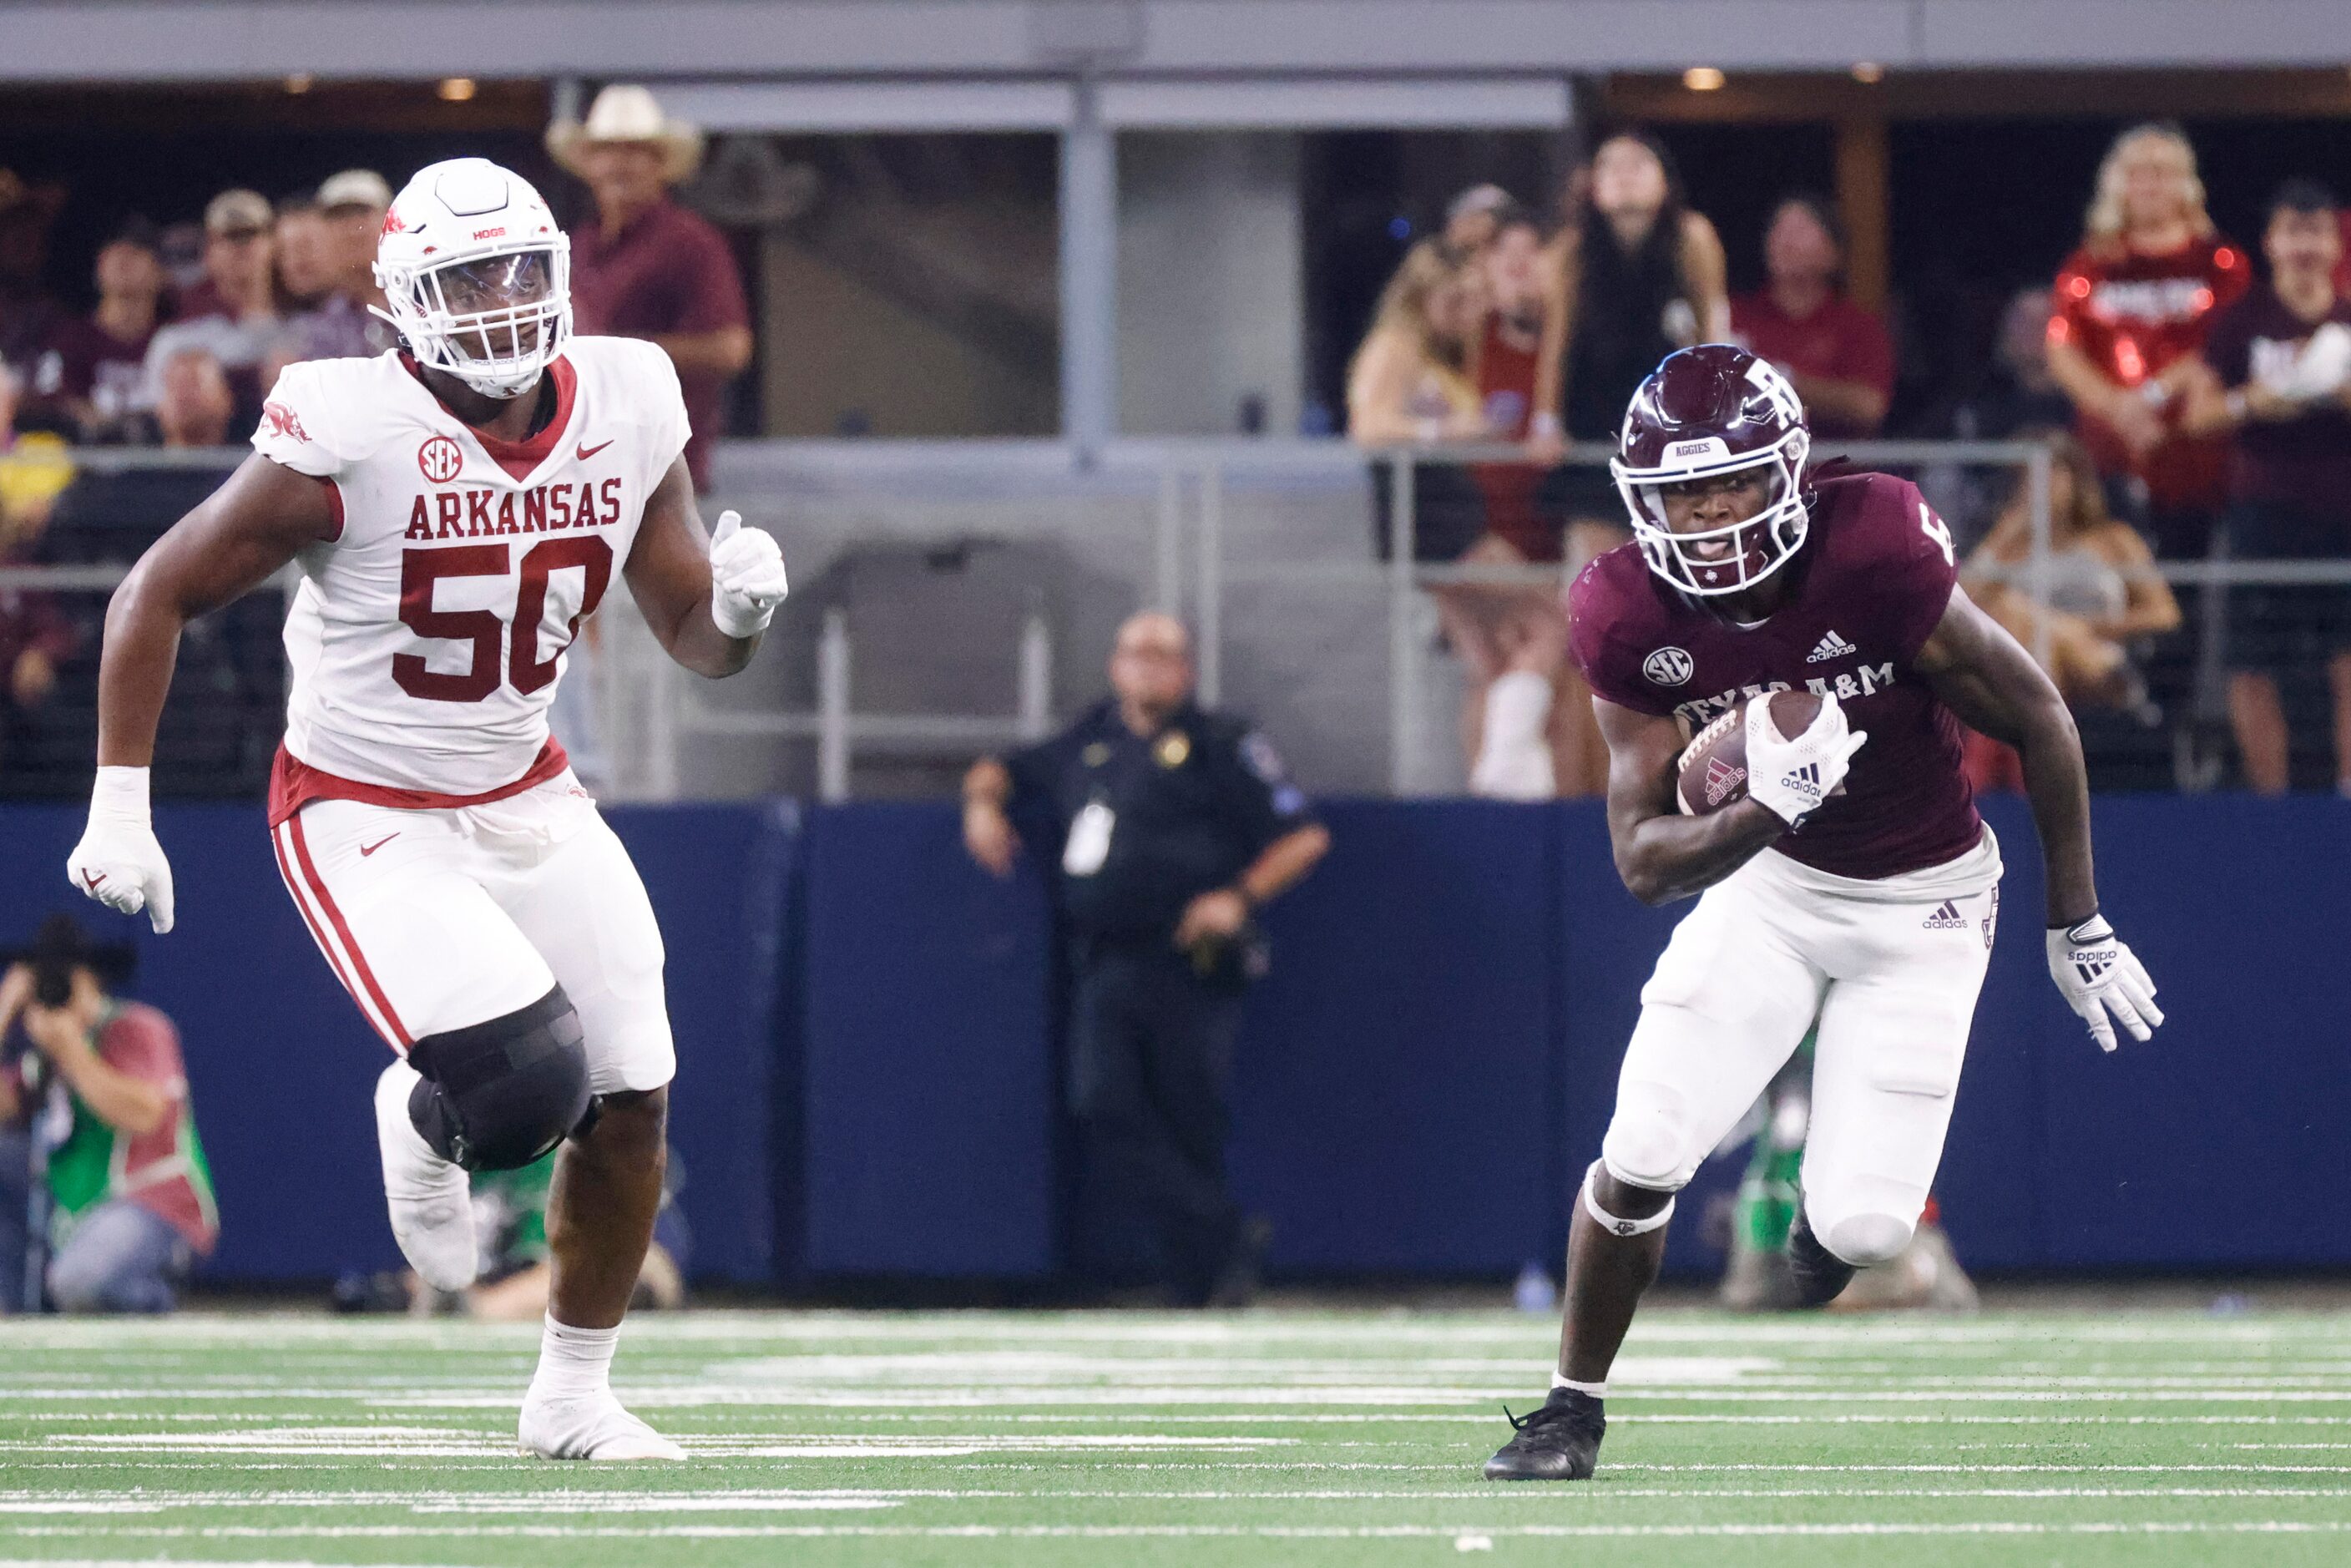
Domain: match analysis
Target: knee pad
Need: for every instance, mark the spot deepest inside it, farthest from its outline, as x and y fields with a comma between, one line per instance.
x=1648, y=1143
x=1862, y=1239
x=497, y=1095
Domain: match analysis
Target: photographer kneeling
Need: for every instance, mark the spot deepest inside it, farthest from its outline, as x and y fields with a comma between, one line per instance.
x=130, y=1200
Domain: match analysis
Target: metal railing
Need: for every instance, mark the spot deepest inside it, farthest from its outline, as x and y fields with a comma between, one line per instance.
x=1162, y=514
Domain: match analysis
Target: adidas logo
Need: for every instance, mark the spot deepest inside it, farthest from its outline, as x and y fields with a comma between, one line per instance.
x=1831, y=647
x=1947, y=917
x=1805, y=780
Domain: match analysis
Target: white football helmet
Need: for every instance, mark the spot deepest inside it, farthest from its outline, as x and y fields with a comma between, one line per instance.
x=475, y=276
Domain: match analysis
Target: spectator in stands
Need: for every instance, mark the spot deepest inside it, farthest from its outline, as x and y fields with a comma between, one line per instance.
x=35, y=467
x=2104, y=591
x=1414, y=380
x=1474, y=217
x=647, y=268
x=2019, y=394
x=303, y=246
x=27, y=212
x=2132, y=307
x=340, y=325
x=1172, y=826
x=1512, y=638
x=232, y=314
x=2276, y=378
x=1410, y=379
x=1836, y=352
x=130, y=1200
x=113, y=516
x=35, y=635
x=91, y=374
x=1634, y=275
x=305, y=255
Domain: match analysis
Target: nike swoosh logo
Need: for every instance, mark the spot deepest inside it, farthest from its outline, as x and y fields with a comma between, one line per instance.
x=367, y=850
x=91, y=882
x=585, y=452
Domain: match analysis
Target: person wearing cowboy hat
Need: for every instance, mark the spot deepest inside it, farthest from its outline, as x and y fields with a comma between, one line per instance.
x=647, y=268
x=129, y=1195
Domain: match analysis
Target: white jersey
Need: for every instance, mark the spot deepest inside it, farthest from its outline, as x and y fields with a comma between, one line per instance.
x=427, y=637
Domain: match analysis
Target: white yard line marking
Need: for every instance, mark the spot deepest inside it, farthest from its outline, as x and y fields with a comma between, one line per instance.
x=1265, y=1533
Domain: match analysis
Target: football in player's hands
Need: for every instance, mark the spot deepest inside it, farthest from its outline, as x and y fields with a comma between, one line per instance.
x=1712, y=771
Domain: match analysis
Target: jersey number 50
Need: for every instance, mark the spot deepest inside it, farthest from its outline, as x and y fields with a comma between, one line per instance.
x=525, y=669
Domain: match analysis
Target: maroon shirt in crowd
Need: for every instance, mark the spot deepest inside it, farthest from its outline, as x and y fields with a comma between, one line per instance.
x=1869, y=588
x=668, y=271
x=2303, y=462
x=1841, y=341
x=82, y=359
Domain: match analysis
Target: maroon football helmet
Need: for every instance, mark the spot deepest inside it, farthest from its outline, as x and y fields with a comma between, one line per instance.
x=1710, y=410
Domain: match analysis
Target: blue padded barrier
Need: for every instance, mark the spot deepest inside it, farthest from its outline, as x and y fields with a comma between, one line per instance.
x=282, y=1066
x=927, y=1088
x=864, y=1027
x=1393, y=1088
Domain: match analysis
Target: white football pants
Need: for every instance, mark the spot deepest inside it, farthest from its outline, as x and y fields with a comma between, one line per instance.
x=1888, y=969
x=436, y=919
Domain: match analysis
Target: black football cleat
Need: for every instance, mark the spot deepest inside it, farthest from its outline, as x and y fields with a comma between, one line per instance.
x=1819, y=1275
x=1560, y=1442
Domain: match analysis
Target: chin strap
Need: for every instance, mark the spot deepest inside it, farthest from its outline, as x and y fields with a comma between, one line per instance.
x=1609, y=1222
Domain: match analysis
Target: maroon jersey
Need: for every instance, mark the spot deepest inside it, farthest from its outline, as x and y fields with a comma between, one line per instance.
x=1873, y=579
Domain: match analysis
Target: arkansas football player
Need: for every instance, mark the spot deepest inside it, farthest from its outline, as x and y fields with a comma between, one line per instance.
x=1846, y=881
x=455, y=508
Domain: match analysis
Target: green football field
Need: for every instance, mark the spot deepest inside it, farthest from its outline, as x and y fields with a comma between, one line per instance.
x=2076, y=1438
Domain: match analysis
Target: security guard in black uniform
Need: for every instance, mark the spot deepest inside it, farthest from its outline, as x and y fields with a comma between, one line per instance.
x=1176, y=825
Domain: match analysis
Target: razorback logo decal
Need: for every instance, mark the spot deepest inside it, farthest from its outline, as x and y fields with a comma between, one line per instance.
x=284, y=420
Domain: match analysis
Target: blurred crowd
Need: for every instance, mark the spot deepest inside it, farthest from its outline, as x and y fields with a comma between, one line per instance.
x=2196, y=408
x=194, y=321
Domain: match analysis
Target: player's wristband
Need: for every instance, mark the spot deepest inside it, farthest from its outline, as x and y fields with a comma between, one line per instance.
x=119, y=795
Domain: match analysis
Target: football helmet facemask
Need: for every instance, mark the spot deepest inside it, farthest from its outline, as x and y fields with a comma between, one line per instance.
x=476, y=275
x=1704, y=414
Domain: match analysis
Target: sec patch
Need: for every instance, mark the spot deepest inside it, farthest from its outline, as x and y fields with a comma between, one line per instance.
x=1670, y=667
x=440, y=459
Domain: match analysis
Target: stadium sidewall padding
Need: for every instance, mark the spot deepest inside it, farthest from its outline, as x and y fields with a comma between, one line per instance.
x=869, y=1083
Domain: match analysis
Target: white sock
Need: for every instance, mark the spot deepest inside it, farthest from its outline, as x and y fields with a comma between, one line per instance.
x=1517, y=706
x=1595, y=1390
x=573, y=1362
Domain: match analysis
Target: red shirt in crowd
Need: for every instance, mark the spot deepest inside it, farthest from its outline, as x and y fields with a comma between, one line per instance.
x=667, y=272
x=1841, y=341
x=1506, y=390
x=2133, y=315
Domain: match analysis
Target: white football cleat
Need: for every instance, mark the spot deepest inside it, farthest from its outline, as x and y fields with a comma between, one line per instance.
x=432, y=1202
x=589, y=1427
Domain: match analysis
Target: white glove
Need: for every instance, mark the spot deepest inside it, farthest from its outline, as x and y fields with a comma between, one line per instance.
x=2099, y=976
x=118, y=861
x=747, y=577
x=1792, y=777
